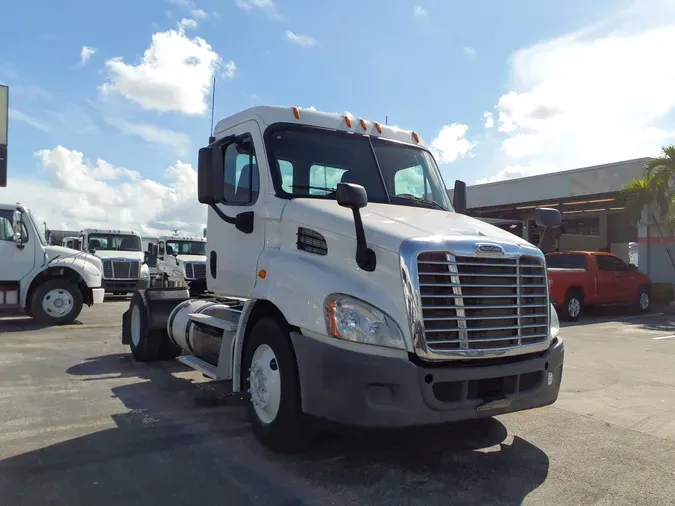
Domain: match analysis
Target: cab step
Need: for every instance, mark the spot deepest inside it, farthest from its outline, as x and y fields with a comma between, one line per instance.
x=212, y=321
x=200, y=365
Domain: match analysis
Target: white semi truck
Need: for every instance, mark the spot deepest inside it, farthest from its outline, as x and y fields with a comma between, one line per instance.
x=48, y=283
x=181, y=261
x=124, y=267
x=72, y=243
x=347, y=288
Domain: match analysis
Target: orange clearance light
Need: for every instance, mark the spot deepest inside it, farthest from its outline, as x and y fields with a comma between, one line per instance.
x=364, y=125
x=378, y=127
x=262, y=273
x=296, y=113
x=348, y=120
x=416, y=137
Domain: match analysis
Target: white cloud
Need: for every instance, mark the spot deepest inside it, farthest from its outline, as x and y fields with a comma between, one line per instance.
x=187, y=23
x=178, y=141
x=182, y=3
x=28, y=120
x=598, y=95
x=83, y=194
x=419, y=11
x=489, y=119
x=469, y=51
x=267, y=6
x=199, y=14
x=86, y=53
x=229, y=69
x=451, y=143
x=174, y=74
x=300, y=40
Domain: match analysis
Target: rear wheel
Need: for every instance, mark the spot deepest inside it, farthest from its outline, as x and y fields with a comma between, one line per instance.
x=273, y=386
x=573, y=306
x=148, y=345
x=56, y=302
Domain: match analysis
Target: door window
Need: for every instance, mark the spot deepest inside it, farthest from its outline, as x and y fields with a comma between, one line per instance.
x=611, y=263
x=411, y=181
x=242, y=180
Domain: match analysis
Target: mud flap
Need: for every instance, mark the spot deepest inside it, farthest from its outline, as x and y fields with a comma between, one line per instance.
x=126, y=327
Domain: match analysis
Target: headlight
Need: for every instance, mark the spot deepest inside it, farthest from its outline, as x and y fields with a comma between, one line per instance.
x=145, y=271
x=92, y=271
x=177, y=273
x=354, y=320
x=555, y=323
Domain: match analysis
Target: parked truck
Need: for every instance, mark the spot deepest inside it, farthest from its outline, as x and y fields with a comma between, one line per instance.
x=581, y=279
x=48, y=283
x=121, y=251
x=181, y=260
x=72, y=243
x=346, y=288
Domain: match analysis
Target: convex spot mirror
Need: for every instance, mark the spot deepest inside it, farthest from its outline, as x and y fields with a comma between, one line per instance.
x=353, y=196
x=547, y=217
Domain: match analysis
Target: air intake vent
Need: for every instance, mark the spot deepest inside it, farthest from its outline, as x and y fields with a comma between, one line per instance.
x=311, y=242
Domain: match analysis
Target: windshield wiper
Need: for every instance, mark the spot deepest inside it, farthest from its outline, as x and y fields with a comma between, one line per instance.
x=420, y=200
x=305, y=187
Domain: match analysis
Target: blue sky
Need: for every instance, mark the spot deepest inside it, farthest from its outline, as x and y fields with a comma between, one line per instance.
x=424, y=64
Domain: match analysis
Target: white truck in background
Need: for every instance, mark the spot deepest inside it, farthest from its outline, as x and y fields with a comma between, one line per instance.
x=345, y=286
x=72, y=243
x=121, y=251
x=181, y=261
x=48, y=283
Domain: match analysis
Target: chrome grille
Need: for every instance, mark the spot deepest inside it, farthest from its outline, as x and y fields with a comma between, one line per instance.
x=121, y=269
x=482, y=303
x=195, y=270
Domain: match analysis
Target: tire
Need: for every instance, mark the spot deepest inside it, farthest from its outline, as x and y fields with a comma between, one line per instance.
x=147, y=345
x=644, y=300
x=50, y=300
x=286, y=429
x=574, y=305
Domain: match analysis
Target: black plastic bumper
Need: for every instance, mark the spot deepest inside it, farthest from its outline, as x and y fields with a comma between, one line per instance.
x=124, y=286
x=372, y=391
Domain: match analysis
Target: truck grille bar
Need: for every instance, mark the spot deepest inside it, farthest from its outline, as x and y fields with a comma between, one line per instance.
x=482, y=304
x=195, y=270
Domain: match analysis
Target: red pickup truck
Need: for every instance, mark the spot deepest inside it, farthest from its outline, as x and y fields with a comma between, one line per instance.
x=579, y=279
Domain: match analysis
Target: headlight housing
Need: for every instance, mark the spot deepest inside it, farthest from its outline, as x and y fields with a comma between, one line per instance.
x=145, y=271
x=351, y=319
x=177, y=273
x=555, y=323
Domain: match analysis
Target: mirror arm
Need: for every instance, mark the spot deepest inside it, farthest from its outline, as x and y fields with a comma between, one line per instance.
x=365, y=257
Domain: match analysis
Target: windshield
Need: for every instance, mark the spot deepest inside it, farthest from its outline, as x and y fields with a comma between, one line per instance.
x=186, y=247
x=40, y=236
x=311, y=162
x=115, y=242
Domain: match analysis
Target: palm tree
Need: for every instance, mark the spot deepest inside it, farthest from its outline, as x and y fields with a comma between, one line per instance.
x=655, y=186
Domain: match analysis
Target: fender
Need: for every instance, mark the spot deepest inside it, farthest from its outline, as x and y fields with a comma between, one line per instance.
x=87, y=273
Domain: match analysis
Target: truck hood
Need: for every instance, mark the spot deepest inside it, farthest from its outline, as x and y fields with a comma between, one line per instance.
x=62, y=256
x=136, y=255
x=191, y=258
x=387, y=226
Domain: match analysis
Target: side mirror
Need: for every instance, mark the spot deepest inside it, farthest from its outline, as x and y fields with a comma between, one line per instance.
x=459, y=197
x=351, y=195
x=17, y=222
x=145, y=257
x=354, y=197
x=547, y=217
x=210, y=175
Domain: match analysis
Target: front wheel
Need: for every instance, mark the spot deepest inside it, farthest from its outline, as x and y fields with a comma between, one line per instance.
x=644, y=301
x=56, y=302
x=273, y=386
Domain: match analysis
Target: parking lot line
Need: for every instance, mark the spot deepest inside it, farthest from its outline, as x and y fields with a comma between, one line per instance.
x=672, y=336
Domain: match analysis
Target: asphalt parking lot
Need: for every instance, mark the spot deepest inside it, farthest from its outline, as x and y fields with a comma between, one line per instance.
x=82, y=424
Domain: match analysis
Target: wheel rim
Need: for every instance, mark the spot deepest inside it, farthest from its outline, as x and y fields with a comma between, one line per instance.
x=644, y=300
x=136, y=326
x=265, y=384
x=574, y=307
x=57, y=303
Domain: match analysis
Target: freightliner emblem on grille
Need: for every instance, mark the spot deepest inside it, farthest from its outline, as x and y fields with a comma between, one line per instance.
x=493, y=249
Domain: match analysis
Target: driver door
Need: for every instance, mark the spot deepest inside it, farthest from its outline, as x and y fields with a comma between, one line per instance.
x=18, y=259
x=233, y=254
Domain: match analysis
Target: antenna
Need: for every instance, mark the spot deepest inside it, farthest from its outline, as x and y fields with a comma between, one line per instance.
x=386, y=120
x=212, y=139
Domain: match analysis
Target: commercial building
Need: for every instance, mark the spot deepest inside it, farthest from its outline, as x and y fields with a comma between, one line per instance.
x=593, y=219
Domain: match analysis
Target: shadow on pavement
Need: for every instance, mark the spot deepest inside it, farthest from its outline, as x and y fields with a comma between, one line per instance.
x=188, y=442
x=26, y=324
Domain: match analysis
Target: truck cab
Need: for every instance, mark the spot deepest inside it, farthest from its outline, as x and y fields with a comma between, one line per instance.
x=48, y=283
x=121, y=252
x=348, y=287
x=180, y=260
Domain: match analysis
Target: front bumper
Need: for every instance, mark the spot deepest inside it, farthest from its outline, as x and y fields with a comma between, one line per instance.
x=125, y=286
x=97, y=295
x=372, y=391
